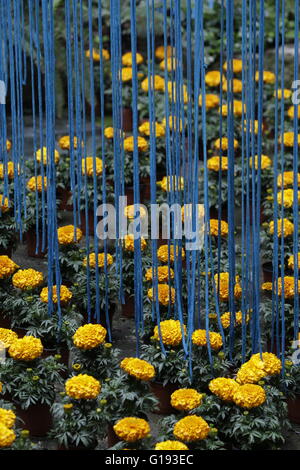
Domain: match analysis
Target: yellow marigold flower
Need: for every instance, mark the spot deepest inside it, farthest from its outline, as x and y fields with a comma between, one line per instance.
x=291, y=264
x=286, y=197
x=171, y=332
x=288, y=227
x=237, y=86
x=142, y=144
x=165, y=252
x=8, y=170
x=172, y=91
x=164, y=274
x=211, y=101
x=126, y=74
x=283, y=94
x=4, y=204
x=89, y=336
x=267, y=286
x=7, y=417
x=96, y=55
x=160, y=52
x=268, y=77
x=214, y=228
x=213, y=78
x=225, y=319
x=138, y=368
x=173, y=123
x=37, y=184
x=172, y=183
x=8, y=145
x=42, y=154
x=249, y=374
x=186, y=399
x=83, y=387
x=253, y=126
x=166, y=294
x=237, y=65
x=109, y=132
x=225, y=143
x=66, y=235
x=27, y=279
x=215, y=339
x=129, y=242
x=156, y=81
x=237, y=108
x=132, y=429
x=87, y=166
x=170, y=65
x=7, y=436
x=288, y=139
x=288, y=286
x=65, y=142
x=291, y=111
x=26, y=349
x=223, y=289
x=266, y=162
x=223, y=388
x=269, y=363
x=129, y=211
x=65, y=294
x=191, y=428
x=187, y=212
x=7, y=266
x=127, y=59
x=101, y=260
x=145, y=129
x=170, y=445
x=7, y=337
x=288, y=179
x=249, y=396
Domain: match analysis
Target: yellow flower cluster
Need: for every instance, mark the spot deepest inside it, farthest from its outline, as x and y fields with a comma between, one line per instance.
x=146, y=127
x=287, y=179
x=288, y=227
x=211, y=101
x=223, y=388
x=7, y=436
x=172, y=91
x=37, y=184
x=129, y=211
x=89, y=336
x=65, y=142
x=7, y=417
x=237, y=108
x=171, y=183
x=265, y=163
x=142, y=144
x=283, y=94
x=291, y=261
x=157, y=82
x=213, y=78
x=165, y=293
x=215, y=339
x=288, y=286
x=127, y=59
x=83, y=387
x=164, y=274
x=214, y=228
x=223, y=288
x=191, y=428
x=8, y=145
x=163, y=253
x=186, y=399
x=4, y=204
x=96, y=55
x=138, y=368
x=160, y=52
x=224, y=144
x=286, y=197
x=7, y=267
x=42, y=155
x=291, y=111
x=66, y=235
x=258, y=367
x=129, y=242
x=27, y=279
x=169, y=65
x=101, y=260
x=65, y=294
x=171, y=332
x=170, y=445
x=237, y=86
x=132, y=429
x=249, y=374
x=7, y=337
x=126, y=74
x=109, y=133
x=249, y=396
x=9, y=170
x=87, y=166
x=237, y=65
x=268, y=77
x=215, y=163
x=288, y=139
x=174, y=123
x=225, y=319
x=26, y=349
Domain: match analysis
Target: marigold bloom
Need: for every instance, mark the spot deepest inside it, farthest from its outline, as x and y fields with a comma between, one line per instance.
x=283, y=94
x=237, y=108
x=215, y=339
x=146, y=127
x=142, y=144
x=37, y=184
x=237, y=86
x=288, y=139
x=7, y=266
x=8, y=170
x=288, y=227
x=27, y=279
x=109, y=132
x=127, y=59
x=138, y=368
x=214, y=228
x=249, y=374
x=268, y=77
x=8, y=145
x=87, y=166
x=4, y=204
x=268, y=362
x=7, y=417
x=65, y=294
x=287, y=179
x=26, y=349
x=132, y=429
x=164, y=253
x=170, y=64
x=7, y=436
x=288, y=286
x=42, y=154
x=65, y=142
x=163, y=274
x=166, y=294
x=213, y=78
x=237, y=65
x=186, y=399
x=96, y=55
x=225, y=319
x=7, y=337
x=211, y=101
x=129, y=211
x=223, y=388
x=286, y=197
x=66, y=235
x=172, y=183
x=89, y=336
x=170, y=445
x=83, y=387
x=160, y=52
x=225, y=143
x=174, y=123
x=101, y=260
x=171, y=332
x=156, y=81
x=265, y=162
x=126, y=74
x=129, y=242
x=191, y=428
x=291, y=111
x=249, y=396
x=291, y=260
x=223, y=287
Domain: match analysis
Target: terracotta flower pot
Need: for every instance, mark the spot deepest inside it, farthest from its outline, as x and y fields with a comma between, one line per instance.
x=127, y=119
x=163, y=394
x=294, y=409
x=37, y=419
x=112, y=438
x=31, y=244
x=267, y=269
